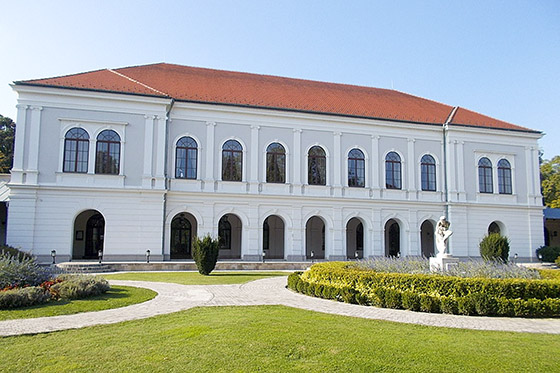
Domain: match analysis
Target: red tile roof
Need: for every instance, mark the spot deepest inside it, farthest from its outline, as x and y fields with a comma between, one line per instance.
x=193, y=84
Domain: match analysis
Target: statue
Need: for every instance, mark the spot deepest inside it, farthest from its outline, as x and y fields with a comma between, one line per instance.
x=442, y=235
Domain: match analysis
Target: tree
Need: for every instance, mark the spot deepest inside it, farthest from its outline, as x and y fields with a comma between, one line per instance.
x=7, y=134
x=550, y=182
x=205, y=254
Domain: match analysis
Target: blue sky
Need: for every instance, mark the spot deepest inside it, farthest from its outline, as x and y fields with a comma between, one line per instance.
x=500, y=58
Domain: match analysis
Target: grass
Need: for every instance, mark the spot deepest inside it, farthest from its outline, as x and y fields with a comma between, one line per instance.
x=195, y=278
x=117, y=296
x=276, y=338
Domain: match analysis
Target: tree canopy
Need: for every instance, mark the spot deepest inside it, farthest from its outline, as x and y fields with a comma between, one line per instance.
x=550, y=182
x=7, y=134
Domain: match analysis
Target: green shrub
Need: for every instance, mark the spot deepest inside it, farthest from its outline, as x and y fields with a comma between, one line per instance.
x=557, y=261
x=429, y=303
x=550, y=274
x=23, y=297
x=19, y=270
x=12, y=251
x=77, y=287
x=494, y=247
x=449, y=305
x=410, y=301
x=548, y=253
x=205, y=254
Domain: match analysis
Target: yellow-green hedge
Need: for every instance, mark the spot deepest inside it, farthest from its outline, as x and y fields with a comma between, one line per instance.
x=343, y=281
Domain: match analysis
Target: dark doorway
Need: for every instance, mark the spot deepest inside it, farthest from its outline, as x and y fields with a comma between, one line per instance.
x=315, y=238
x=427, y=239
x=392, y=239
x=95, y=233
x=183, y=230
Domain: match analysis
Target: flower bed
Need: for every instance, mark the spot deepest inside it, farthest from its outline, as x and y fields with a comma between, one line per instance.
x=347, y=282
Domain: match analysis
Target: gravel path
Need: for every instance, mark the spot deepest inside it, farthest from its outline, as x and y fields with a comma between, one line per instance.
x=269, y=291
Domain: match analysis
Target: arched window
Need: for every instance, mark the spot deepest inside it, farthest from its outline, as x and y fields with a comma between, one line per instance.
x=275, y=163
x=494, y=228
x=185, y=158
x=317, y=166
x=232, y=161
x=356, y=168
x=224, y=232
x=428, y=172
x=485, y=176
x=393, y=171
x=504, y=177
x=76, y=151
x=108, y=153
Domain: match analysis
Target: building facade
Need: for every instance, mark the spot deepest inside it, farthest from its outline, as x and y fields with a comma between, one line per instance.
x=148, y=157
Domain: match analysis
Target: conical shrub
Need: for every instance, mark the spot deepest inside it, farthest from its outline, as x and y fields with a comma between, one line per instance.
x=205, y=253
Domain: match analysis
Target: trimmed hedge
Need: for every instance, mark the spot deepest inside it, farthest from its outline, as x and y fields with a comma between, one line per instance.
x=430, y=293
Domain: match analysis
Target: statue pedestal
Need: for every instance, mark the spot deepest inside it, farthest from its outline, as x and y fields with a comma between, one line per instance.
x=441, y=263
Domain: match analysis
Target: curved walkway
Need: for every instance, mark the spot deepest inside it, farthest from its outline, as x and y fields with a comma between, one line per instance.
x=269, y=291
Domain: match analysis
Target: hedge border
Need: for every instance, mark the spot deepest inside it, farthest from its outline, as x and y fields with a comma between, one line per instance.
x=481, y=304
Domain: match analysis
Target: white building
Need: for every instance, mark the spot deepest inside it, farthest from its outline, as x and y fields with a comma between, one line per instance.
x=146, y=157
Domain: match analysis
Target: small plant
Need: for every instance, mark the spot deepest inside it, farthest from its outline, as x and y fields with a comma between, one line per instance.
x=19, y=271
x=19, y=254
x=205, y=253
x=494, y=247
x=548, y=253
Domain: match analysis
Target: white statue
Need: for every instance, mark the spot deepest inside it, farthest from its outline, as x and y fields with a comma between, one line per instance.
x=442, y=235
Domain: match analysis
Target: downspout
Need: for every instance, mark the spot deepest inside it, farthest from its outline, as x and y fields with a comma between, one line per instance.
x=445, y=175
x=165, y=176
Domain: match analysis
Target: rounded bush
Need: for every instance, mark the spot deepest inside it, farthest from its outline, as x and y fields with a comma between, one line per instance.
x=548, y=253
x=494, y=247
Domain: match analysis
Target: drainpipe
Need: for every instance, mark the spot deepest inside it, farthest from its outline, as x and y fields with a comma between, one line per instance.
x=165, y=176
x=445, y=176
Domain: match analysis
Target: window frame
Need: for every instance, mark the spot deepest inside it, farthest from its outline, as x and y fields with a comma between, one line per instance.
x=356, y=164
x=318, y=161
x=485, y=176
x=187, y=150
x=394, y=174
x=428, y=173
x=75, y=153
x=505, y=180
x=277, y=175
x=231, y=154
x=101, y=166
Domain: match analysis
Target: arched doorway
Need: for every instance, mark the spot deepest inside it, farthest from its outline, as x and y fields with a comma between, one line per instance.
x=315, y=238
x=273, y=237
x=229, y=231
x=354, y=239
x=392, y=238
x=494, y=227
x=427, y=239
x=183, y=231
x=89, y=235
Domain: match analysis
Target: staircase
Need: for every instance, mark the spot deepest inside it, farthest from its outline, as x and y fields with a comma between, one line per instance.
x=70, y=267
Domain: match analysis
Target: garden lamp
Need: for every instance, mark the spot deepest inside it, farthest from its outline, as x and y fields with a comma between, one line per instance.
x=311, y=255
x=53, y=254
x=264, y=255
x=540, y=257
x=100, y=255
x=147, y=256
x=356, y=255
x=515, y=258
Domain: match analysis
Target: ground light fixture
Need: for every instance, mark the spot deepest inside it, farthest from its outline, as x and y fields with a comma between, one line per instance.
x=53, y=254
x=100, y=255
x=540, y=257
x=264, y=255
x=148, y=256
x=311, y=255
x=515, y=258
x=356, y=255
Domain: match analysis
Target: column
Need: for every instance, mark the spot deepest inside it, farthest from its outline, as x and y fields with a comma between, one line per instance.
x=536, y=176
x=375, y=166
x=337, y=165
x=34, y=137
x=148, y=151
x=411, y=168
x=210, y=150
x=19, y=144
x=460, y=165
x=337, y=246
x=297, y=161
x=254, y=166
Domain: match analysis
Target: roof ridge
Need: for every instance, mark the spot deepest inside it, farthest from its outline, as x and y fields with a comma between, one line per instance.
x=137, y=82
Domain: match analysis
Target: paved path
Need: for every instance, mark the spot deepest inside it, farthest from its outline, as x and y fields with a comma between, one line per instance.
x=269, y=291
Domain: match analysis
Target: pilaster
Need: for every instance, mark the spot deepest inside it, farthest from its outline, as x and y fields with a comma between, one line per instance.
x=297, y=161
x=19, y=146
x=210, y=150
x=254, y=166
x=149, y=151
x=34, y=137
x=375, y=166
x=337, y=165
x=411, y=169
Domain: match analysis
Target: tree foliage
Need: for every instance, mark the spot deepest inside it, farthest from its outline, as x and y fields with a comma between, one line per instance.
x=550, y=182
x=7, y=134
x=205, y=253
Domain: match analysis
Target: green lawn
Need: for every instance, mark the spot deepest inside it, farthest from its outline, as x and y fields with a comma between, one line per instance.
x=118, y=296
x=195, y=278
x=276, y=338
